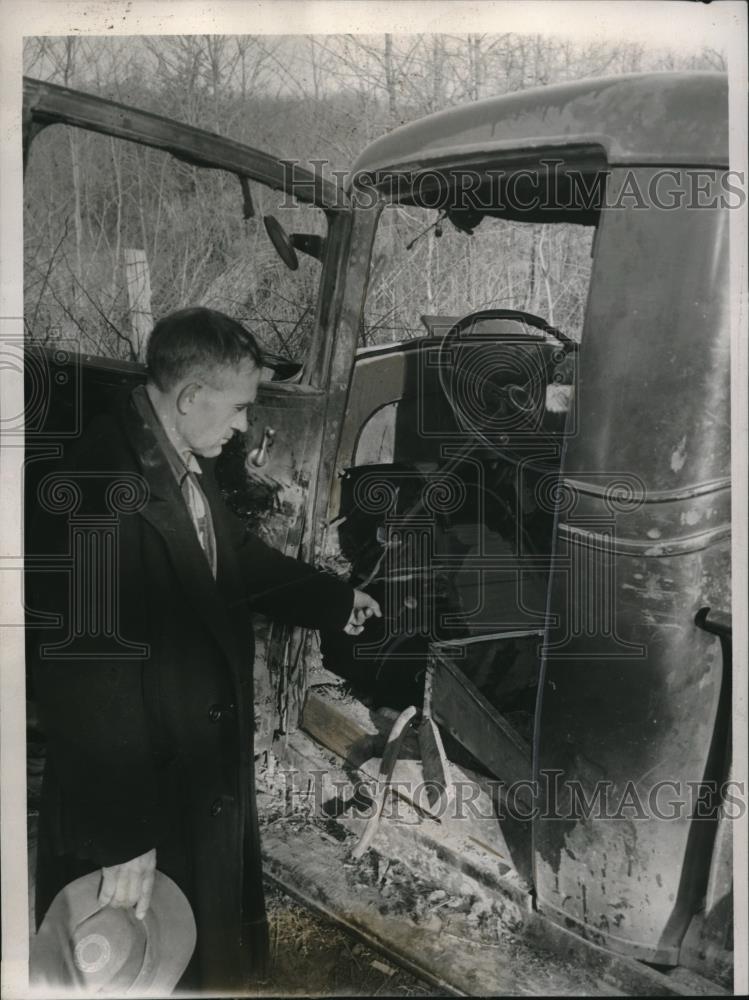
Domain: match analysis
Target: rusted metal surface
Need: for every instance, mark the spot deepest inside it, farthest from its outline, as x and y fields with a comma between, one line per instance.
x=517, y=953
x=653, y=118
x=272, y=499
x=294, y=414
x=631, y=688
x=49, y=104
x=328, y=367
x=456, y=704
x=708, y=944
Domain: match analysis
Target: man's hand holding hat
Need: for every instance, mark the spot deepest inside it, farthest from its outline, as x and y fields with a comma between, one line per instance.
x=97, y=949
x=130, y=884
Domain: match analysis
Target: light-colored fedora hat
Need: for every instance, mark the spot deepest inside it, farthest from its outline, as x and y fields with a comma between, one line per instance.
x=83, y=947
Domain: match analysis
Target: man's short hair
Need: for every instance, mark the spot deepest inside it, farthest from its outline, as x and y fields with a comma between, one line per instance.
x=197, y=341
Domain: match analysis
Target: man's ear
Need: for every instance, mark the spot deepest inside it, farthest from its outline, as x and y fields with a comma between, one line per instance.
x=187, y=395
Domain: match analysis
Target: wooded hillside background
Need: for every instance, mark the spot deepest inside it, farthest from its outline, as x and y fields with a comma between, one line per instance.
x=89, y=198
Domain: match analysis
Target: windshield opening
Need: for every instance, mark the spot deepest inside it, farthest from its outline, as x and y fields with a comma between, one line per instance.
x=117, y=235
x=426, y=273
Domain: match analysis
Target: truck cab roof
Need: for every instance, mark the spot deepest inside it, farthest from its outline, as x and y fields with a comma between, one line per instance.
x=645, y=118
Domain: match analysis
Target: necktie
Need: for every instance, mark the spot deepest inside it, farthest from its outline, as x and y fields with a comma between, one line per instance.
x=201, y=516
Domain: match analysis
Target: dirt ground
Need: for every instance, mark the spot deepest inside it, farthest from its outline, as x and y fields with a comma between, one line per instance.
x=310, y=956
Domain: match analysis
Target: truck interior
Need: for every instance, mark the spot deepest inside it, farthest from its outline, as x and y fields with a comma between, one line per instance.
x=449, y=438
x=444, y=504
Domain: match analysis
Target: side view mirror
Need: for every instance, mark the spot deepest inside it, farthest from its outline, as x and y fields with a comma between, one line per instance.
x=287, y=245
x=281, y=241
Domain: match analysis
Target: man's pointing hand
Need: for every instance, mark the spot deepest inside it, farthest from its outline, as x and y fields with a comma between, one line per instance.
x=364, y=607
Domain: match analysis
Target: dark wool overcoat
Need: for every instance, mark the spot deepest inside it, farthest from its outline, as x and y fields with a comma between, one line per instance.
x=145, y=691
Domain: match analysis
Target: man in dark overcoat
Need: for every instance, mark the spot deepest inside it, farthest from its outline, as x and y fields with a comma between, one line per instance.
x=145, y=691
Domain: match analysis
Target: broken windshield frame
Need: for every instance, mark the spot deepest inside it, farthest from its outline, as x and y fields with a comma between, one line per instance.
x=47, y=104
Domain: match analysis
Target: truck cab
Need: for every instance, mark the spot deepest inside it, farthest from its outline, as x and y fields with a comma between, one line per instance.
x=536, y=488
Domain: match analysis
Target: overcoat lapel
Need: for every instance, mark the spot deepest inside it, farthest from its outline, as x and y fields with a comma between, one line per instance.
x=166, y=511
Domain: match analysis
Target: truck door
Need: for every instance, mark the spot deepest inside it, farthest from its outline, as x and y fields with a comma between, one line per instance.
x=86, y=344
x=629, y=662
x=635, y=709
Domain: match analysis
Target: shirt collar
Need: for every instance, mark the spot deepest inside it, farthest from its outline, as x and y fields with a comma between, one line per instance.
x=179, y=463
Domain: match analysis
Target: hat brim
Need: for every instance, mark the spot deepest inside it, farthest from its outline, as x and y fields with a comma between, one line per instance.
x=174, y=922
x=171, y=934
x=283, y=369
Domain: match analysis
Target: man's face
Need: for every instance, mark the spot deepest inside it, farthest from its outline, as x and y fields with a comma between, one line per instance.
x=218, y=407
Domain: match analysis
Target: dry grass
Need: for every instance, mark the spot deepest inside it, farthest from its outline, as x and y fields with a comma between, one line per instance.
x=311, y=956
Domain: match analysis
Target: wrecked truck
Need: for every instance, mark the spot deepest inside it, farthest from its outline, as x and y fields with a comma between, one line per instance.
x=543, y=514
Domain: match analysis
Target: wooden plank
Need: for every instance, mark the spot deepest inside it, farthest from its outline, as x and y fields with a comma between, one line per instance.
x=355, y=739
x=310, y=870
x=341, y=725
x=457, y=704
x=359, y=735
x=449, y=954
x=451, y=850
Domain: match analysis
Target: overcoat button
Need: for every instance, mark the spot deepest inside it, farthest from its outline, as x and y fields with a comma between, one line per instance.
x=214, y=713
x=216, y=807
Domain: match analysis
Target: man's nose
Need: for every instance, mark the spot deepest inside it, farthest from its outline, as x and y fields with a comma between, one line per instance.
x=239, y=423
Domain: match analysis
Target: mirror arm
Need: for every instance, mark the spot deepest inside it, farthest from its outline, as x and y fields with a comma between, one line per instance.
x=310, y=244
x=248, y=208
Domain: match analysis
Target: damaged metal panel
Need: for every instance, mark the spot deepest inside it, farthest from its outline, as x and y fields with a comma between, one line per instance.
x=460, y=707
x=271, y=497
x=272, y=500
x=49, y=104
x=653, y=118
x=708, y=944
x=631, y=687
